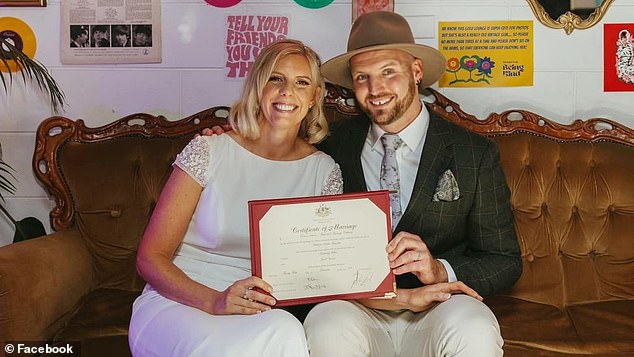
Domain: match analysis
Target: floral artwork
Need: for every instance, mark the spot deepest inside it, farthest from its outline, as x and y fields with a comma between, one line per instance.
x=470, y=69
x=618, y=58
x=625, y=57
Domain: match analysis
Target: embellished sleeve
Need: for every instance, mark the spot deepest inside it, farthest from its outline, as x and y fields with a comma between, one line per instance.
x=334, y=183
x=194, y=160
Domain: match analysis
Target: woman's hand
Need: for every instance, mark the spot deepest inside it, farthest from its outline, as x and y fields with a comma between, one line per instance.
x=243, y=297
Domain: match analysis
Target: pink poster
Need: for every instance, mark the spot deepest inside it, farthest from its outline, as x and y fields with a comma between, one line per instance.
x=360, y=7
x=246, y=35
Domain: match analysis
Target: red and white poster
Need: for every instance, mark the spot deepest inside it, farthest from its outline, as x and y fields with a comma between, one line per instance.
x=246, y=36
x=360, y=7
x=618, y=57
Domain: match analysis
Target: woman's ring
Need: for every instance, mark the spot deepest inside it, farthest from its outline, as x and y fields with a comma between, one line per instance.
x=246, y=291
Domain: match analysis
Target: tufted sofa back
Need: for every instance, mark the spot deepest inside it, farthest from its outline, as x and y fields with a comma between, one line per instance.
x=573, y=203
x=106, y=182
x=114, y=187
x=572, y=194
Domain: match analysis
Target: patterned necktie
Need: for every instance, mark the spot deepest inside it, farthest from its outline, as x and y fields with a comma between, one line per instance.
x=389, y=174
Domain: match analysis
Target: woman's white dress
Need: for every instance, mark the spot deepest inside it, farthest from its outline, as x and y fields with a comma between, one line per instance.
x=215, y=252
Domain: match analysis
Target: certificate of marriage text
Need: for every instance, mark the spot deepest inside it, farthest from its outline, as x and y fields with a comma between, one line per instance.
x=314, y=249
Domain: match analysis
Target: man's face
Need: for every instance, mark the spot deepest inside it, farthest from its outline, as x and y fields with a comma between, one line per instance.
x=82, y=38
x=385, y=86
x=122, y=38
x=140, y=39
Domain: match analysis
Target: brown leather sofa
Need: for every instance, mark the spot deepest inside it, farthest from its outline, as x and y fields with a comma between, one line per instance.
x=572, y=194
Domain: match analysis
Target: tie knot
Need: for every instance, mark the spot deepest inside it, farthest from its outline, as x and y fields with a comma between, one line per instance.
x=391, y=142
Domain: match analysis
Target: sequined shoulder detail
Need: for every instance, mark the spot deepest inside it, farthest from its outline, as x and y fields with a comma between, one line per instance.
x=334, y=184
x=194, y=159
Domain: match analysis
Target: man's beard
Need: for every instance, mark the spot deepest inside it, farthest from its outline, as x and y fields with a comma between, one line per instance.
x=389, y=116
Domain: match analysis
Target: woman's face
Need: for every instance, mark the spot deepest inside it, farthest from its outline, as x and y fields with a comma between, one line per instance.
x=289, y=93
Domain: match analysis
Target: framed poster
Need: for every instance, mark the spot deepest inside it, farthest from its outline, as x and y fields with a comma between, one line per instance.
x=103, y=32
x=618, y=57
x=35, y=3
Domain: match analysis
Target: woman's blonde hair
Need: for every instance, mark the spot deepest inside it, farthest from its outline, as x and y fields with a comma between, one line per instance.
x=243, y=115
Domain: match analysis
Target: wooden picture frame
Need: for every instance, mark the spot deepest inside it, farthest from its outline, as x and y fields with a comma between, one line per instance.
x=24, y=3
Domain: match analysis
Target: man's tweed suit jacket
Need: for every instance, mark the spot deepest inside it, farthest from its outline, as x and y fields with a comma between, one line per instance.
x=474, y=233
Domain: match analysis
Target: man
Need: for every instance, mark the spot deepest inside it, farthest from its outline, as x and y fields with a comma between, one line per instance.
x=453, y=226
x=100, y=36
x=142, y=36
x=78, y=36
x=121, y=35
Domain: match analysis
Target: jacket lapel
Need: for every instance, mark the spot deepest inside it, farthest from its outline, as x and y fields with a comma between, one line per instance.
x=435, y=159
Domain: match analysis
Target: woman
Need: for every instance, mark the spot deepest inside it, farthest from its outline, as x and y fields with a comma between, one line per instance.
x=200, y=297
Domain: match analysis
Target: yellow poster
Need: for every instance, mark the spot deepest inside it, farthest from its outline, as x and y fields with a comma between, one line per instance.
x=487, y=53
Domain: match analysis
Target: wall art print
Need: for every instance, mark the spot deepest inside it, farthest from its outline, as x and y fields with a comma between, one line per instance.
x=487, y=53
x=246, y=35
x=360, y=7
x=618, y=57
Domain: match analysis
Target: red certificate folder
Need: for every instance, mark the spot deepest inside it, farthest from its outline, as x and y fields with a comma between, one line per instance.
x=315, y=249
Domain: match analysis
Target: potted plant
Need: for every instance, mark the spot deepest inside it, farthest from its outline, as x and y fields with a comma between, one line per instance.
x=32, y=72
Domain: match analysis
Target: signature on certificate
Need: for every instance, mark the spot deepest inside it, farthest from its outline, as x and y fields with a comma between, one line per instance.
x=313, y=283
x=361, y=278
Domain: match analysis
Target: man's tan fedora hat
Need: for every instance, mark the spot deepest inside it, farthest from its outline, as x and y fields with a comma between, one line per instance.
x=382, y=30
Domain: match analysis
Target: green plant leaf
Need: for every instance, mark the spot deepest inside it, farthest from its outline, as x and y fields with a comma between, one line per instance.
x=31, y=71
x=6, y=174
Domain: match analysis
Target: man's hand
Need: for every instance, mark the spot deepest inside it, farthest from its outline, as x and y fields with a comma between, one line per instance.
x=421, y=299
x=408, y=253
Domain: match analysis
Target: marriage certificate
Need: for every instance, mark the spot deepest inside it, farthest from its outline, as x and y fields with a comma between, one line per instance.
x=314, y=249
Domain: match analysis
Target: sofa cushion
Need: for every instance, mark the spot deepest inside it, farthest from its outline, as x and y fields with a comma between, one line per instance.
x=103, y=318
x=134, y=170
x=602, y=328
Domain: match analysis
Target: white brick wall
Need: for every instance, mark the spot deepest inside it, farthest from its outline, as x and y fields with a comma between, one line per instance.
x=568, y=72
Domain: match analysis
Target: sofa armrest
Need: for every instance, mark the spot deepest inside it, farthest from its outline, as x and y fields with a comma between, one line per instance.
x=41, y=283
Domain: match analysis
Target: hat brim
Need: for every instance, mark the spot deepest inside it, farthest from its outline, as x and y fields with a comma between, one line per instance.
x=337, y=69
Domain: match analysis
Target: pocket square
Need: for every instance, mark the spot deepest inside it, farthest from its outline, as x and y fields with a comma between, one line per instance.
x=447, y=188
